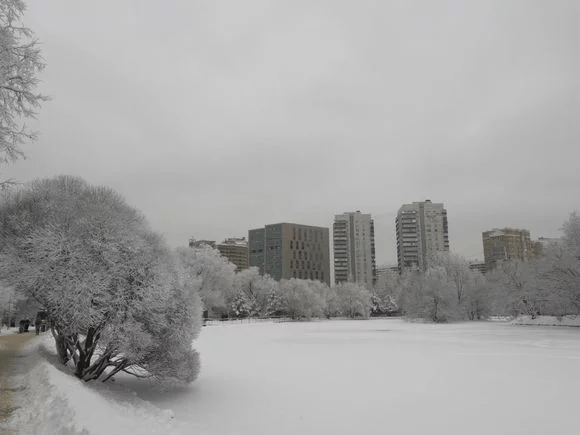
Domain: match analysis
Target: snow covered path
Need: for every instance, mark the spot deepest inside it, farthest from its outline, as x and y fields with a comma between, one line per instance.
x=344, y=377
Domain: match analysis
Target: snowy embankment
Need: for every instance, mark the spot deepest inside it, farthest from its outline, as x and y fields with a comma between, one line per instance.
x=51, y=401
x=548, y=321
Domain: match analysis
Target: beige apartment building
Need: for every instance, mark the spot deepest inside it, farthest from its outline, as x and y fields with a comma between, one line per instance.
x=236, y=251
x=507, y=244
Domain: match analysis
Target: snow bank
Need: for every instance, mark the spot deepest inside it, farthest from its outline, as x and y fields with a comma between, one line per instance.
x=548, y=321
x=51, y=401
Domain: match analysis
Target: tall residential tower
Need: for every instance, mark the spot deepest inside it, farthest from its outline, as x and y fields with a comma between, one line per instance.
x=422, y=232
x=354, y=248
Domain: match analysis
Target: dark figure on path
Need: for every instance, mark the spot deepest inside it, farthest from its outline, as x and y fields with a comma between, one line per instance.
x=23, y=325
x=40, y=322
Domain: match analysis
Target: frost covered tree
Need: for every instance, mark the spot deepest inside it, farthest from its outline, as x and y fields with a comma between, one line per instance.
x=557, y=272
x=116, y=296
x=477, y=301
x=517, y=288
x=571, y=229
x=216, y=275
x=353, y=299
x=300, y=299
x=431, y=297
x=9, y=300
x=20, y=64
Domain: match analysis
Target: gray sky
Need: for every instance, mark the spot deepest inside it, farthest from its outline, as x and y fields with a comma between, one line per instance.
x=217, y=116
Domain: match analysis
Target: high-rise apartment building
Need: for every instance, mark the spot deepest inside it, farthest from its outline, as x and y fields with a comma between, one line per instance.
x=236, y=251
x=354, y=248
x=286, y=251
x=507, y=244
x=422, y=232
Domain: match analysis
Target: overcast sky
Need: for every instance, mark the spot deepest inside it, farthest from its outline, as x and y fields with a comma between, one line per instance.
x=217, y=116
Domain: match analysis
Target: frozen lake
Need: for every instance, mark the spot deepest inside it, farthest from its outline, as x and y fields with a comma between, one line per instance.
x=347, y=377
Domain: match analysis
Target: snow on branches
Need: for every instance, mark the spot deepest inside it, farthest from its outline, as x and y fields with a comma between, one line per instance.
x=20, y=63
x=117, y=298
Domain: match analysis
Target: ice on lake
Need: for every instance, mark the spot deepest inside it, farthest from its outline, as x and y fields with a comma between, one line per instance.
x=379, y=376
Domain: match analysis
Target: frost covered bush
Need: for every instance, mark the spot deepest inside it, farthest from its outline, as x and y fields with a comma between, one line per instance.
x=353, y=300
x=215, y=275
x=117, y=297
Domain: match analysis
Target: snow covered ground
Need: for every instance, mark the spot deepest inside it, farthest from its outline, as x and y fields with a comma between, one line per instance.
x=336, y=377
x=344, y=377
x=548, y=321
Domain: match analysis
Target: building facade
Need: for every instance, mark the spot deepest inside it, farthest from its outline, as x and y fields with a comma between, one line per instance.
x=236, y=251
x=287, y=250
x=422, y=232
x=193, y=243
x=354, y=248
x=507, y=244
x=479, y=267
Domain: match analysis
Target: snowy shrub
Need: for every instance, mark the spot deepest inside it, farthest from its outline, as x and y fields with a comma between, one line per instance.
x=299, y=300
x=117, y=297
x=353, y=300
x=216, y=275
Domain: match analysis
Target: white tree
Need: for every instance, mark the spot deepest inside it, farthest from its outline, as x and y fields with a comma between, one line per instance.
x=116, y=297
x=558, y=271
x=571, y=229
x=9, y=300
x=216, y=274
x=20, y=64
x=353, y=299
x=300, y=300
x=477, y=299
x=432, y=297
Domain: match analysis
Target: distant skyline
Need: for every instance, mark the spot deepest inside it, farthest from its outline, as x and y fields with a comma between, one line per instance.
x=216, y=117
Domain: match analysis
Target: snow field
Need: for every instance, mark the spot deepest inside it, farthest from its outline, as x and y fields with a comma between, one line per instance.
x=327, y=377
x=344, y=377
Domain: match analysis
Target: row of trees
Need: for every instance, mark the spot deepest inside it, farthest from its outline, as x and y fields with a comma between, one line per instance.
x=449, y=290
x=226, y=293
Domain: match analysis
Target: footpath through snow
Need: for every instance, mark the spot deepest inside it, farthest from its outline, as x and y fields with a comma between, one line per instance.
x=51, y=401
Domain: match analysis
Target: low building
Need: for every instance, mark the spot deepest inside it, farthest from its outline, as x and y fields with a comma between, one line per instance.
x=236, y=251
x=193, y=243
x=480, y=267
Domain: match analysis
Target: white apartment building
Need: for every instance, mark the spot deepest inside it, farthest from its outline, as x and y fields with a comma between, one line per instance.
x=422, y=232
x=354, y=248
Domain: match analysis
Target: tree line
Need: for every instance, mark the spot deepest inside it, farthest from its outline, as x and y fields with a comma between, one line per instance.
x=450, y=291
